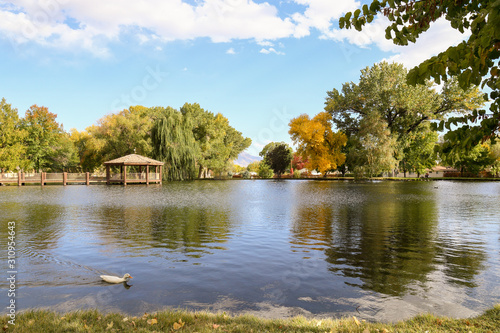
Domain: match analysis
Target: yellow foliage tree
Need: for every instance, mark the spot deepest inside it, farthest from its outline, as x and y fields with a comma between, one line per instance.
x=318, y=142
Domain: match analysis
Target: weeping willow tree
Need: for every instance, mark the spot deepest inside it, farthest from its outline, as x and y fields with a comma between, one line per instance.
x=173, y=143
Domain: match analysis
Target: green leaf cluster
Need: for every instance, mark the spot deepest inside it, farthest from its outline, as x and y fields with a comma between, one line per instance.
x=265, y=171
x=473, y=62
x=12, y=137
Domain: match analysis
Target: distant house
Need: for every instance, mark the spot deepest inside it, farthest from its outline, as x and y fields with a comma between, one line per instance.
x=439, y=171
x=435, y=172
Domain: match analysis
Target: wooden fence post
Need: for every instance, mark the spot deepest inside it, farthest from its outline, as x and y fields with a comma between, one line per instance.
x=42, y=182
x=87, y=178
x=65, y=178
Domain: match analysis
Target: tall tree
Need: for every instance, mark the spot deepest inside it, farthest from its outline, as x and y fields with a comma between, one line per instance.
x=382, y=88
x=317, y=141
x=404, y=109
x=474, y=61
x=419, y=155
x=12, y=136
x=278, y=156
x=218, y=142
x=89, y=149
x=44, y=133
x=63, y=156
x=124, y=133
x=173, y=143
x=374, y=147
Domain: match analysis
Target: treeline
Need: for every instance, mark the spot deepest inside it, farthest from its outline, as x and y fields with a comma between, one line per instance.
x=191, y=141
x=383, y=125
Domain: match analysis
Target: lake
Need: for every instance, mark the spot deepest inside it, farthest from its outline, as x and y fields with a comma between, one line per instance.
x=381, y=251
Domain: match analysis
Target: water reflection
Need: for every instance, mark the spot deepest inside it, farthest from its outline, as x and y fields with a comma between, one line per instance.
x=190, y=230
x=385, y=238
x=307, y=247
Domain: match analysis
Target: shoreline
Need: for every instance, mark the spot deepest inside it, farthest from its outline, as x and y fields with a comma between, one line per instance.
x=326, y=179
x=202, y=321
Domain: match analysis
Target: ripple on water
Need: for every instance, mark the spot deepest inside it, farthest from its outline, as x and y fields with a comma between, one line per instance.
x=322, y=248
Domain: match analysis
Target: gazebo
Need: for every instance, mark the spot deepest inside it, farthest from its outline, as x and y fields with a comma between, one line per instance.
x=133, y=160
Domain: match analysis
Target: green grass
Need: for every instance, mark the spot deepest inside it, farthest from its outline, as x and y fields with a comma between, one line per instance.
x=184, y=321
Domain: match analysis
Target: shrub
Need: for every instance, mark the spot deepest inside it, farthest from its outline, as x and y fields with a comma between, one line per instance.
x=265, y=171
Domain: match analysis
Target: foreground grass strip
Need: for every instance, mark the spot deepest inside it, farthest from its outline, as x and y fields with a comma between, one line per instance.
x=184, y=321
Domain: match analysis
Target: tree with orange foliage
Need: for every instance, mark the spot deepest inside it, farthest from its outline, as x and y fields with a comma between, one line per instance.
x=318, y=142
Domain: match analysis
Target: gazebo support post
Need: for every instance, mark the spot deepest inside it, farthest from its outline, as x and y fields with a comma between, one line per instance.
x=161, y=174
x=124, y=174
x=147, y=174
x=108, y=176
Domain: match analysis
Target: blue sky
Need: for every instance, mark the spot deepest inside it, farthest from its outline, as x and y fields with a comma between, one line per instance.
x=258, y=63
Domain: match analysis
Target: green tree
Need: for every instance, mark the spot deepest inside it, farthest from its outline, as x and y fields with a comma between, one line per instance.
x=374, y=147
x=253, y=167
x=173, y=143
x=124, y=133
x=265, y=170
x=404, y=109
x=473, y=62
x=470, y=161
x=419, y=155
x=278, y=156
x=495, y=157
x=43, y=136
x=88, y=148
x=63, y=156
x=218, y=142
x=12, y=136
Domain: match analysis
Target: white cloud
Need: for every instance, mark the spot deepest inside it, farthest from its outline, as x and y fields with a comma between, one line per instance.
x=271, y=50
x=20, y=28
x=90, y=25
x=265, y=43
x=220, y=20
x=320, y=15
x=230, y=51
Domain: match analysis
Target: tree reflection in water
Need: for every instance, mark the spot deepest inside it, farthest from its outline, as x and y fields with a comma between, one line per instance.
x=385, y=239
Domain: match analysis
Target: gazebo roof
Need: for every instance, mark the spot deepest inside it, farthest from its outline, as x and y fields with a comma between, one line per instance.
x=133, y=159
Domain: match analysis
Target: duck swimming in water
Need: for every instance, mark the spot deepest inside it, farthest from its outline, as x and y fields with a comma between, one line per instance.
x=116, y=279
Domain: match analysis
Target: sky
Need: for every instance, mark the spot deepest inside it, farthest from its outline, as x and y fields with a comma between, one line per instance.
x=258, y=63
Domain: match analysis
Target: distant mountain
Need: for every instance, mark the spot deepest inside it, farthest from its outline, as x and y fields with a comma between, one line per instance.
x=244, y=159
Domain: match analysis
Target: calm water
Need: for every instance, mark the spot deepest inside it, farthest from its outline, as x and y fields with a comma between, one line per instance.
x=380, y=251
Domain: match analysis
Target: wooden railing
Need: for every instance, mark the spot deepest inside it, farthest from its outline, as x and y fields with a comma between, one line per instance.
x=65, y=178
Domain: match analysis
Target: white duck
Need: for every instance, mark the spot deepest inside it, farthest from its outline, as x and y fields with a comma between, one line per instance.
x=116, y=279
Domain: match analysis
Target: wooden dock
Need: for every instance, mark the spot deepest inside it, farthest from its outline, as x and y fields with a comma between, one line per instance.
x=66, y=178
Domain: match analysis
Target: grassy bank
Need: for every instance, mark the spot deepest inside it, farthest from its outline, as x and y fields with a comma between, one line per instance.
x=183, y=321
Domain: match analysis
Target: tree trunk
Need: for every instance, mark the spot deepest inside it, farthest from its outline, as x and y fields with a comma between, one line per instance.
x=200, y=172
